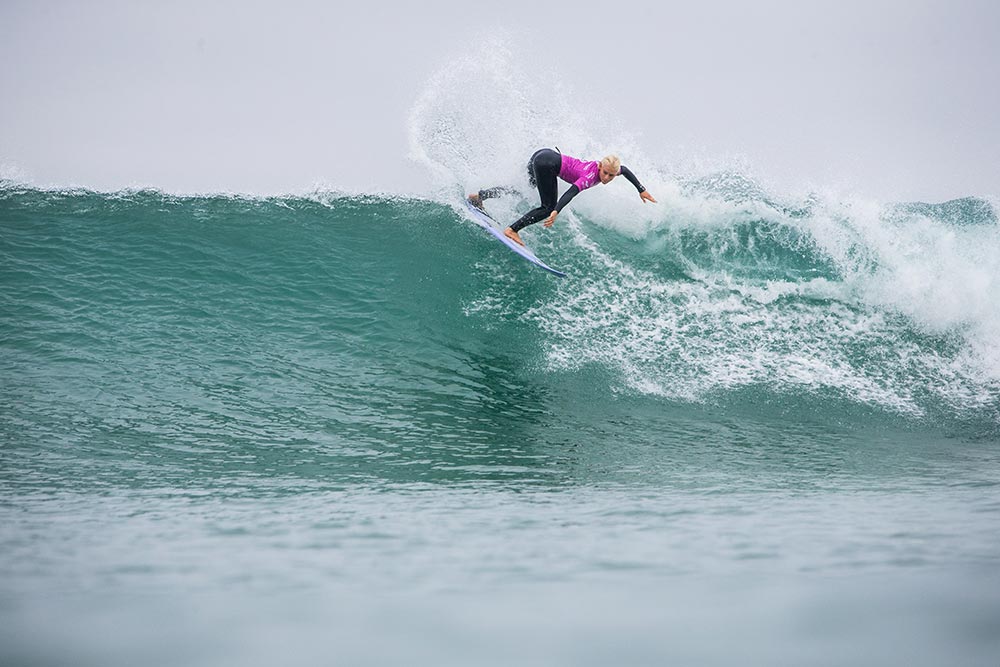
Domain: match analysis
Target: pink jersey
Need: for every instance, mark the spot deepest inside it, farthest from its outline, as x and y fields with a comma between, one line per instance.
x=580, y=173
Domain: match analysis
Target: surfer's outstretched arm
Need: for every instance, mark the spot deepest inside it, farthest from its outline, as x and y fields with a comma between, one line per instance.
x=645, y=196
x=564, y=201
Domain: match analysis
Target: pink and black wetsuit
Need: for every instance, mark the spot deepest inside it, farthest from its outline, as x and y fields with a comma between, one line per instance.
x=545, y=166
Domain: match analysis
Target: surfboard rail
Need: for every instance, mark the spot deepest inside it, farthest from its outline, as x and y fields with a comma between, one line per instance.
x=483, y=219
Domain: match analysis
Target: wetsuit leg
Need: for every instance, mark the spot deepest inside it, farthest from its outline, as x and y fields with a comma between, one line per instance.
x=499, y=191
x=543, y=171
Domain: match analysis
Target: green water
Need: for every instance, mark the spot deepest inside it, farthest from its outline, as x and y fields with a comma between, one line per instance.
x=357, y=430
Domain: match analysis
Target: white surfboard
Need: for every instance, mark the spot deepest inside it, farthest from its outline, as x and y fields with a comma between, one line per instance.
x=493, y=227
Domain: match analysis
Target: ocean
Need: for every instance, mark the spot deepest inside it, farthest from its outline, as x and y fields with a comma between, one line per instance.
x=354, y=429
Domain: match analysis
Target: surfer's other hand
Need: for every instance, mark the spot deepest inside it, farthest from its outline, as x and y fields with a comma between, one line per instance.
x=645, y=196
x=549, y=221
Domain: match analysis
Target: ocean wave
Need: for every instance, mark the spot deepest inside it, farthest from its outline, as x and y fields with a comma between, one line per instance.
x=824, y=305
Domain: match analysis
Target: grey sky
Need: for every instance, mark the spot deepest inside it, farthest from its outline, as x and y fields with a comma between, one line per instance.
x=896, y=100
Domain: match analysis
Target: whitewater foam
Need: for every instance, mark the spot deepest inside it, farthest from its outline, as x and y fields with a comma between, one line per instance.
x=725, y=283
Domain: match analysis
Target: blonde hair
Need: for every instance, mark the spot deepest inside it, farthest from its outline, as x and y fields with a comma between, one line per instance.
x=612, y=164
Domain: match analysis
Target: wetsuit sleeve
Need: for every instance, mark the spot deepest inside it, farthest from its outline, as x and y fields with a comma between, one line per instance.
x=627, y=173
x=567, y=197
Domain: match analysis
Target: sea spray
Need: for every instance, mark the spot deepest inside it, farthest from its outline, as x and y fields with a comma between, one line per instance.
x=726, y=283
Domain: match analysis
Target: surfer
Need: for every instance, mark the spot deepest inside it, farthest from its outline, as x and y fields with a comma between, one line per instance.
x=543, y=169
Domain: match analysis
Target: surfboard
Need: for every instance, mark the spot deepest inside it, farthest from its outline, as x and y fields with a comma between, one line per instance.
x=483, y=219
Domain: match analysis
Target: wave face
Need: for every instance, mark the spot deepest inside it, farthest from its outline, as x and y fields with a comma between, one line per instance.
x=357, y=324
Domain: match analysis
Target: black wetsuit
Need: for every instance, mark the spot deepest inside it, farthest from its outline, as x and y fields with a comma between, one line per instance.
x=543, y=173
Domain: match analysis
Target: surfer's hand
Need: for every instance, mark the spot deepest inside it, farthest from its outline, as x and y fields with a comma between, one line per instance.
x=549, y=221
x=645, y=196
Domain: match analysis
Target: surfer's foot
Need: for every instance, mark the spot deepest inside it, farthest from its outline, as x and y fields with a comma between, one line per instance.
x=512, y=235
x=476, y=200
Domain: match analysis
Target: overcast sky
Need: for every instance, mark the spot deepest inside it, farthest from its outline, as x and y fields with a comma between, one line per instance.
x=897, y=100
